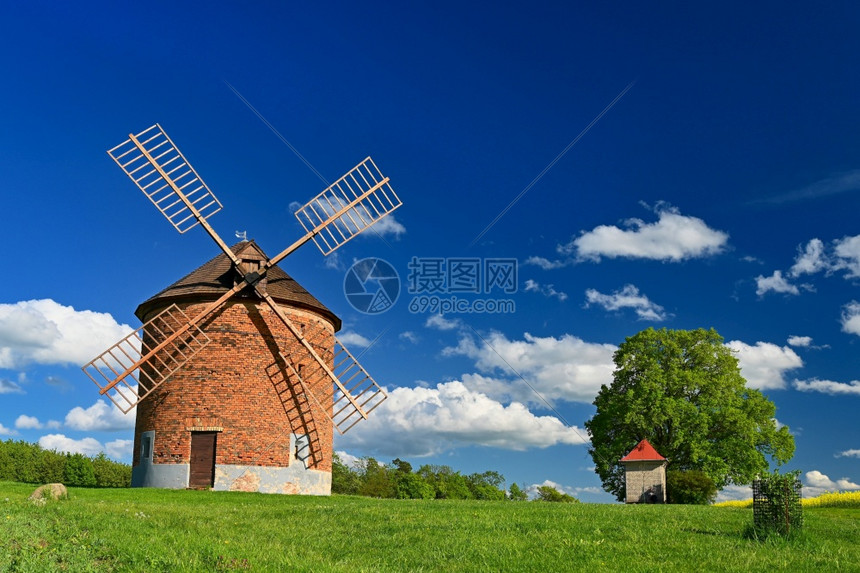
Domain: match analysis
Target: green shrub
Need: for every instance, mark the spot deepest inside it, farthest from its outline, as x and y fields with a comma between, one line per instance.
x=109, y=473
x=52, y=467
x=690, y=487
x=79, y=471
x=487, y=485
x=376, y=479
x=344, y=479
x=549, y=493
x=516, y=493
x=413, y=486
x=28, y=463
x=7, y=464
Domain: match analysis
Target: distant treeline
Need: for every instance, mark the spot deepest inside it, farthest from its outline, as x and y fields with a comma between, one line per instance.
x=397, y=480
x=29, y=463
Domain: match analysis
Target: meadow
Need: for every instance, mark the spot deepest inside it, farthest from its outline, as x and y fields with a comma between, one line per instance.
x=164, y=530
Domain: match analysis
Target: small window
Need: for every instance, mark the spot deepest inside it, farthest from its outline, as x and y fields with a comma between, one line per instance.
x=301, y=448
x=146, y=445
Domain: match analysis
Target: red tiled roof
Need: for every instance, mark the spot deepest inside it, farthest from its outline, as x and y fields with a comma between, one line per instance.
x=217, y=276
x=643, y=451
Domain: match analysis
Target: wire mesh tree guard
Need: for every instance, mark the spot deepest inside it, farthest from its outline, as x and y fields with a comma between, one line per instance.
x=776, y=503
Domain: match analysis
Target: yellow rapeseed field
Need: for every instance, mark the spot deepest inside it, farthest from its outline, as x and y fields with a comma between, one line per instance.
x=831, y=499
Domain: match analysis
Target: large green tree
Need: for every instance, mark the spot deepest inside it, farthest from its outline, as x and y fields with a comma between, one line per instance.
x=683, y=391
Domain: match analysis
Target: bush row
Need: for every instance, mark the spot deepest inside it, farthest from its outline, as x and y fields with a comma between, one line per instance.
x=29, y=463
x=397, y=480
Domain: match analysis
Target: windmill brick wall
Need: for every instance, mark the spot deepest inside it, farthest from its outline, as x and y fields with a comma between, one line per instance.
x=237, y=397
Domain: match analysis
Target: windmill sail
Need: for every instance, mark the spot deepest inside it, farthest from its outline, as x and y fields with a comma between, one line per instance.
x=159, y=169
x=350, y=396
x=168, y=340
x=362, y=197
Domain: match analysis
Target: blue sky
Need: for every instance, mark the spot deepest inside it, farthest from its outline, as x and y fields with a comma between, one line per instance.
x=720, y=190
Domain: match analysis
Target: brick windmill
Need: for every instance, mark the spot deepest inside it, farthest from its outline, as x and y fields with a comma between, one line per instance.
x=238, y=378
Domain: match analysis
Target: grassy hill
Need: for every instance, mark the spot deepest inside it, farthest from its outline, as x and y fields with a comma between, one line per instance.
x=162, y=530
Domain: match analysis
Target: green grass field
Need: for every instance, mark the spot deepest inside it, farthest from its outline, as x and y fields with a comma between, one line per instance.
x=162, y=530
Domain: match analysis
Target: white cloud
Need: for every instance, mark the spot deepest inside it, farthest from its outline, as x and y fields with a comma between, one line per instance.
x=116, y=449
x=119, y=449
x=409, y=336
x=810, y=259
x=4, y=431
x=839, y=183
x=674, y=237
x=847, y=252
x=848, y=454
x=775, y=283
x=427, y=421
x=439, y=322
x=100, y=417
x=7, y=386
x=350, y=338
x=829, y=387
x=387, y=226
x=60, y=443
x=590, y=489
x=565, y=368
x=45, y=332
x=547, y=264
x=546, y=290
x=532, y=490
x=818, y=483
x=627, y=297
x=332, y=261
x=851, y=318
x=24, y=422
x=734, y=493
x=58, y=383
x=800, y=341
x=765, y=364
x=348, y=459
x=813, y=258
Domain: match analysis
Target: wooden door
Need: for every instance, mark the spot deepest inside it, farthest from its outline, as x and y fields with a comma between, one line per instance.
x=202, y=459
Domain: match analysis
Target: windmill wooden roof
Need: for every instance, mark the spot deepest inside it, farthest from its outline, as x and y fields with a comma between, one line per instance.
x=217, y=276
x=643, y=451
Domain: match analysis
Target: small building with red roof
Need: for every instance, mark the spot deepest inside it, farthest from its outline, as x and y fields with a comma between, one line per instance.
x=645, y=474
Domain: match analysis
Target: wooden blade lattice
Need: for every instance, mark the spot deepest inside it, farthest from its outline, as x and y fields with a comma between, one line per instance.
x=158, y=169
x=352, y=394
x=295, y=400
x=133, y=367
x=349, y=206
